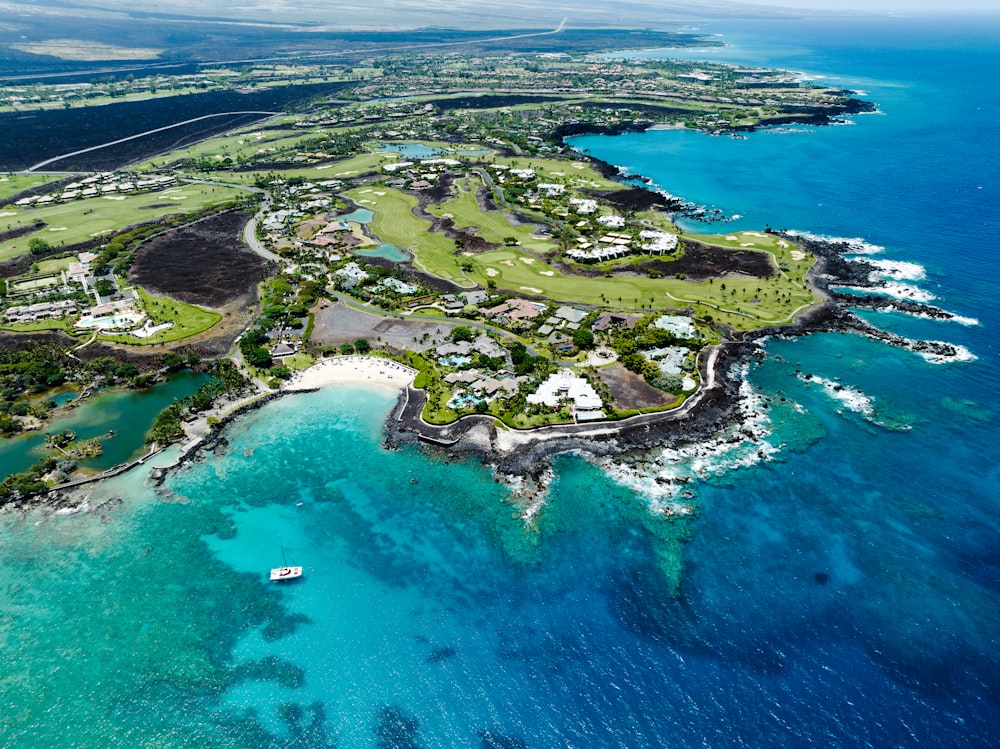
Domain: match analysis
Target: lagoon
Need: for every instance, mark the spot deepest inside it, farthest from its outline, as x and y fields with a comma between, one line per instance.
x=130, y=413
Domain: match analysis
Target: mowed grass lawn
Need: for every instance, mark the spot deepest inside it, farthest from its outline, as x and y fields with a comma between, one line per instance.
x=12, y=184
x=369, y=162
x=244, y=143
x=733, y=300
x=573, y=174
x=790, y=259
x=81, y=220
x=395, y=223
x=492, y=226
x=742, y=302
x=188, y=320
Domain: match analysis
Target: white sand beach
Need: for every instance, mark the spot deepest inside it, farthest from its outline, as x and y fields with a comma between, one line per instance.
x=353, y=370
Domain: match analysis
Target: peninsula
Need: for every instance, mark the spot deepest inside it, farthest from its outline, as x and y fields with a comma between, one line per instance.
x=422, y=216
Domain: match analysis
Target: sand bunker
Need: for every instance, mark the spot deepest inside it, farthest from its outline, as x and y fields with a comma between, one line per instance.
x=546, y=273
x=492, y=272
x=798, y=255
x=527, y=260
x=531, y=289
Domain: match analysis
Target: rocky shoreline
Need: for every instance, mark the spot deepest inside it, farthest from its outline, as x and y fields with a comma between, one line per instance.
x=523, y=458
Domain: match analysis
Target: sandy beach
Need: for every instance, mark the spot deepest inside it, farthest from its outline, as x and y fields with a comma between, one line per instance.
x=353, y=370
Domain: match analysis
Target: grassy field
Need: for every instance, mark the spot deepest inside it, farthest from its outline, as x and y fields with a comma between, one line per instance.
x=80, y=220
x=574, y=174
x=246, y=144
x=33, y=327
x=395, y=223
x=793, y=262
x=188, y=320
x=54, y=265
x=742, y=302
x=492, y=226
x=338, y=170
x=12, y=184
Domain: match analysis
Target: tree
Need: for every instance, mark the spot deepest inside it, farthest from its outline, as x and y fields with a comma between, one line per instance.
x=347, y=349
x=362, y=346
x=38, y=246
x=583, y=339
x=462, y=333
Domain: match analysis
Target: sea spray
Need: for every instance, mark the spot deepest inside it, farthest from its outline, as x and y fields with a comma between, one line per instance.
x=667, y=477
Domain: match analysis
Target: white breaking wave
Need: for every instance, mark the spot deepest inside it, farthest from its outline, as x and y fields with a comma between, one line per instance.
x=663, y=476
x=962, y=354
x=899, y=270
x=849, y=398
x=950, y=316
x=895, y=290
x=857, y=245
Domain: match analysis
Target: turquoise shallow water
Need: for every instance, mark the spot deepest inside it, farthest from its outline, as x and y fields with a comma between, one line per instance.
x=842, y=593
x=130, y=413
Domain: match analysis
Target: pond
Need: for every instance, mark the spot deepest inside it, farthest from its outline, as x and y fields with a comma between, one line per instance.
x=409, y=150
x=130, y=413
x=360, y=216
x=388, y=251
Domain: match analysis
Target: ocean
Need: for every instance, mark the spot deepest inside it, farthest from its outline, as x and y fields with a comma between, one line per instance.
x=838, y=583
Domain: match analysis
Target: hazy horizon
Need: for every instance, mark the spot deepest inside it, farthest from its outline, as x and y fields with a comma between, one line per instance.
x=372, y=14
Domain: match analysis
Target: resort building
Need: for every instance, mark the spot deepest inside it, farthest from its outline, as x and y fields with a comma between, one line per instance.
x=41, y=311
x=563, y=386
x=679, y=325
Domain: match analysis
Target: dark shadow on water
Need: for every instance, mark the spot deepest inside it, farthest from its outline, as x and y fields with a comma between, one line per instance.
x=494, y=740
x=306, y=729
x=441, y=654
x=394, y=729
x=641, y=601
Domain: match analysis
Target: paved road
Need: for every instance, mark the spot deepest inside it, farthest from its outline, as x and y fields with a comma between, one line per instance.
x=54, y=159
x=250, y=233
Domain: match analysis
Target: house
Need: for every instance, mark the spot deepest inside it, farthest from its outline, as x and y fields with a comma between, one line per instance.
x=680, y=325
x=451, y=303
x=517, y=309
x=563, y=386
x=612, y=319
x=488, y=347
x=475, y=298
x=570, y=315
x=612, y=222
x=459, y=348
x=352, y=273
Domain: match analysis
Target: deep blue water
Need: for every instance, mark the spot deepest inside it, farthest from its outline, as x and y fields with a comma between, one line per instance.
x=843, y=593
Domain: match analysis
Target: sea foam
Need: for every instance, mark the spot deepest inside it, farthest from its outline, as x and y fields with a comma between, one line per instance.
x=663, y=475
x=856, y=245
